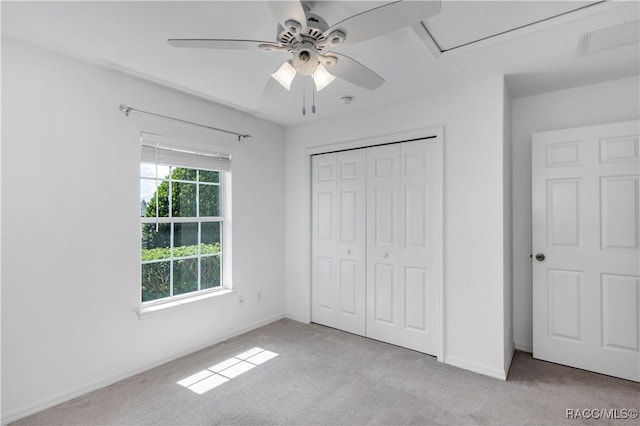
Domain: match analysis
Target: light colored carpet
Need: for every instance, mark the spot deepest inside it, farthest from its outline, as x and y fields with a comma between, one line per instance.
x=324, y=376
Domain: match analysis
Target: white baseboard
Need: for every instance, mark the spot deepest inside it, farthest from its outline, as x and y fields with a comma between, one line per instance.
x=54, y=400
x=523, y=348
x=476, y=368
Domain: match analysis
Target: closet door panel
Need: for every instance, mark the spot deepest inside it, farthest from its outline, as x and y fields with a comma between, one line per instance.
x=338, y=242
x=383, y=243
x=415, y=298
x=419, y=253
x=351, y=246
x=324, y=271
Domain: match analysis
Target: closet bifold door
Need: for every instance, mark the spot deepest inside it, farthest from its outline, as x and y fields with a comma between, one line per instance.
x=403, y=204
x=383, y=243
x=338, y=264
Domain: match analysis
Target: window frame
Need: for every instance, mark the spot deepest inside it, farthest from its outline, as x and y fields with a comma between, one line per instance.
x=224, y=209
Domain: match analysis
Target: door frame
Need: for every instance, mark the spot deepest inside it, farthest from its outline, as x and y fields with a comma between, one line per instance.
x=435, y=134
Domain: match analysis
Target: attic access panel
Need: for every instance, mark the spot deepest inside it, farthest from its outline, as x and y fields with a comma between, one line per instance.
x=461, y=23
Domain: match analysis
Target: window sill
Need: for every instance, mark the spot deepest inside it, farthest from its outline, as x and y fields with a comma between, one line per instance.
x=147, y=310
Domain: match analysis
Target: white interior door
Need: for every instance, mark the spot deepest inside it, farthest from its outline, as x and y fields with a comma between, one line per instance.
x=383, y=243
x=586, y=224
x=338, y=244
x=403, y=244
x=420, y=243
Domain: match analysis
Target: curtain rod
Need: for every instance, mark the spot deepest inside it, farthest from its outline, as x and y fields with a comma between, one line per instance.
x=127, y=109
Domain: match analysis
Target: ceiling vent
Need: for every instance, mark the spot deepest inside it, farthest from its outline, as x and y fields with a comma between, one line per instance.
x=608, y=37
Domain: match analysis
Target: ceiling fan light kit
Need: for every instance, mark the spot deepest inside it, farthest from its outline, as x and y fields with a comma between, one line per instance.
x=321, y=77
x=306, y=36
x=285, y=74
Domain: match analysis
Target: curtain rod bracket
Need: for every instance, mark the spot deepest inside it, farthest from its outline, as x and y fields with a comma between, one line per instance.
x=127, y=109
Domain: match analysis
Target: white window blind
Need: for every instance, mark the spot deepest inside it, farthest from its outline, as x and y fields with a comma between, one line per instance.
x=164, y=150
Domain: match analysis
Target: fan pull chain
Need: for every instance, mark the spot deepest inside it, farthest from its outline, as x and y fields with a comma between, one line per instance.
x=304, y=86
x=313, y=98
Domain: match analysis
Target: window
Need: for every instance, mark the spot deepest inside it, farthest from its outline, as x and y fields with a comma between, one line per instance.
x=182, y=226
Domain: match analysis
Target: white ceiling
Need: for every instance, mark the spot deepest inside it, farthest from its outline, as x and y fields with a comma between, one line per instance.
x=131, y=36
x=464, y=22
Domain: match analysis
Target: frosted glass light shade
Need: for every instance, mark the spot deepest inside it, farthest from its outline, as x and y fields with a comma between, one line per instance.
x=322, y=77
x=285, y=74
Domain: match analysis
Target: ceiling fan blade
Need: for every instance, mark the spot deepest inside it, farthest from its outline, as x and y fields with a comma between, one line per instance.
x=351, y=70
x=200, y=43
x=272, y=88
x=288, y=10
x=384, y=19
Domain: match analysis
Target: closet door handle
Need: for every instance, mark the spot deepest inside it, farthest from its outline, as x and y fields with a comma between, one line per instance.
x=386, y=255
x=348, y=251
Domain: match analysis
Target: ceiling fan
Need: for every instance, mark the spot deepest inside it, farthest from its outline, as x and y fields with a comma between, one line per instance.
x=308, y=38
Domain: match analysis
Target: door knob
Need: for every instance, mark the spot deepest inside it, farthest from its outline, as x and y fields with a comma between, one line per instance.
x=539, y=257
x=386, y=255
x=348, y=251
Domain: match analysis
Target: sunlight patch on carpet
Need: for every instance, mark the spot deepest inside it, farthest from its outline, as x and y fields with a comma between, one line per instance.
x=220, y=373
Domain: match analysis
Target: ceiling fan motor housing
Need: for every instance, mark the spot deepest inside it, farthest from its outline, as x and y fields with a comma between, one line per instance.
x=305, y=57
x=292, y=31
x=306, y=46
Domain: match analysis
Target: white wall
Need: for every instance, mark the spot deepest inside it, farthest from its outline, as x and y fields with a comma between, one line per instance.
x=70, y=228
x=617, y=100
x=474, y=256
